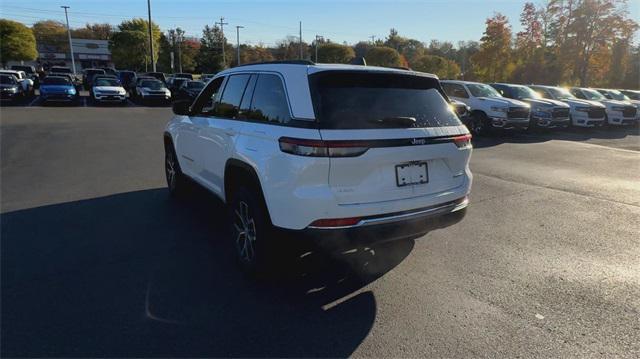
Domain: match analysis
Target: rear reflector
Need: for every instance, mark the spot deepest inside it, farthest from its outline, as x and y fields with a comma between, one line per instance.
x=335, y=222
x=462, y=141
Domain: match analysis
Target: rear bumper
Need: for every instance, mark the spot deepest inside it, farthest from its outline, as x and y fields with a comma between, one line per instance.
x=388, y=227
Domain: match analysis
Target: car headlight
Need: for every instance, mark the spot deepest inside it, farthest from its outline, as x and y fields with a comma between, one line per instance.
x=11, y=89
x=122, y=92
x=499, y=109
x=582, y=109
x=71, y=91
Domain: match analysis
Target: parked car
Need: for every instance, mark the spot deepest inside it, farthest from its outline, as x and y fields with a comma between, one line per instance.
x=31, y=73
x=619, y=96
x=632, y=94
x=158, y=75
x=617, y=112
x=25, y=82
x=109, y=71
x=463, y=111
x=189, y=90
x=152, y=91
x=59, y=70
x=206, y=77
x=583, y=113
x=489, y=110
x=175, y=84
x=87, y=77
x=338, y=152
x=107, y=89
x=127, y=78
x=10, y=89
x=183, y=75
x=58, y=89
x=545, y=113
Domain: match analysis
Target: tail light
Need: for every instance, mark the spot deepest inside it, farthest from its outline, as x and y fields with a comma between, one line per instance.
x=462, y=141
x=335, y=222
x=319, y=148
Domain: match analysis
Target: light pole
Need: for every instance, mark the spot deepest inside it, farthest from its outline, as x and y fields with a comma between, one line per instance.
x=153, y=63
x=238, y=41
x=73, y=61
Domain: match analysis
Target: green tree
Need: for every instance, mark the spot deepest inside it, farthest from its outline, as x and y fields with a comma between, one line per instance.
x=383, y=56
x=493, y=61
x=443, y=68
x=335, y=53
x=51, y=33
x=93, y=31
x=209, y=57
x=289, y=49
x=17, y=42
x=251, y=54
x=130, y=44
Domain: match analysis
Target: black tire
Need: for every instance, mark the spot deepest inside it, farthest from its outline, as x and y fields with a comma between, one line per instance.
x=177, y=183
x=480, y=124
x=252, y=232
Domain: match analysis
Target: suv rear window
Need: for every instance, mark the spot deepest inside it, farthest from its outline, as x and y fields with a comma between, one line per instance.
x=365, y=100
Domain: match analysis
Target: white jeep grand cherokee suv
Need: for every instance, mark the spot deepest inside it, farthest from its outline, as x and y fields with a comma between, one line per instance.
x=332, y=151
x=488, y=108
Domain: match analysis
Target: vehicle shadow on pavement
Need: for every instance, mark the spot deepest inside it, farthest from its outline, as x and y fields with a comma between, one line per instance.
x=138, y=274
x=571, y=134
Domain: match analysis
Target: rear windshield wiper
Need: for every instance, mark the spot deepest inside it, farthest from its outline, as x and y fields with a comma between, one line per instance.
x=395, y=121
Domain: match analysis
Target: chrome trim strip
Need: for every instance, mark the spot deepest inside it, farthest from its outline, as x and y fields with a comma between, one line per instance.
x=429, y=212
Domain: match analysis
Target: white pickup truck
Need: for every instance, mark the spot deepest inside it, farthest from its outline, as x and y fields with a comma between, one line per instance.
x=489, y=110
x=583, y=113
x=620, y=96
x=617, y=112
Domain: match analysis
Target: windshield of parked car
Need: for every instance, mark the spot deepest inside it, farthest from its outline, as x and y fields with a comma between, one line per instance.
x=560, y=93
x=152, y=84
x=107, y=82
x=7, y=80
x=195, y=85
x=482, y=90
x=361, y=100
x=593, y=95
x=617, y=95
x=523, y=92
x=56, y=81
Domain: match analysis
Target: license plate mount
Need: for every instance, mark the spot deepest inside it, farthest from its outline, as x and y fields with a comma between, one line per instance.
x=412, y=173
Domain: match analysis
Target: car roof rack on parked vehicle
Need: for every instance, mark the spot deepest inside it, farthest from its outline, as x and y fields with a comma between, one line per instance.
x=282, y=62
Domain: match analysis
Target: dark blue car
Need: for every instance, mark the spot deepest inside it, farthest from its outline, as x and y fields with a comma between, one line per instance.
x=58, y=89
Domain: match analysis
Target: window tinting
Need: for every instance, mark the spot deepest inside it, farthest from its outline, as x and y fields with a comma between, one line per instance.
x=7, y=79
x=231, y=96
x=269, y=100
x=455, y=90
x=361, y=100
x=208, y=97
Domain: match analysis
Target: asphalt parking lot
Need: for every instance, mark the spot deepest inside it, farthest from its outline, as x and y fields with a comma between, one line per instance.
x=98, y=261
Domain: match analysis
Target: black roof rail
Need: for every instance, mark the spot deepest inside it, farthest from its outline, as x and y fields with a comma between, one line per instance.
x=281, y=62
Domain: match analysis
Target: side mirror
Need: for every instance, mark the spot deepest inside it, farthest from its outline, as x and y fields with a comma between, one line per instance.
x=182, y=107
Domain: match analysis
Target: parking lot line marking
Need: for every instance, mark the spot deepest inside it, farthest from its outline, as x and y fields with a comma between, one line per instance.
x=33, y=101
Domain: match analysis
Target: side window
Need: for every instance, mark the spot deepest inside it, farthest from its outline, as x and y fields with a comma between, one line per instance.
x=542, y=92
x=269, y=102
x=577, y=93
x=501, y=90
x=455, y=90
x=229, y=103
x=245, y=105
x=205, y=102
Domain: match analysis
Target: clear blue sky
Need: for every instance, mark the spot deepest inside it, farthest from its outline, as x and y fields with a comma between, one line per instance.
x=267, y=21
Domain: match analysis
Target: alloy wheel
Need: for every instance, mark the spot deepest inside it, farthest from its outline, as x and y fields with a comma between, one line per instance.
x=245, y=229
x=170, y=170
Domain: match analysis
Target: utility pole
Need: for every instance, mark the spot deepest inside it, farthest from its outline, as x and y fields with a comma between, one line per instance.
x=73, y=61
x=224, y=58
x=179, y=39
x=153, y=63
x=300, y=40
x=373, y=39
x=318, y=37
x=238, y=41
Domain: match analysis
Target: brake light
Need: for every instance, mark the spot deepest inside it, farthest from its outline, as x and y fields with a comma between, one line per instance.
x=462, y=141
x=319, y=148
x=335, y=222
